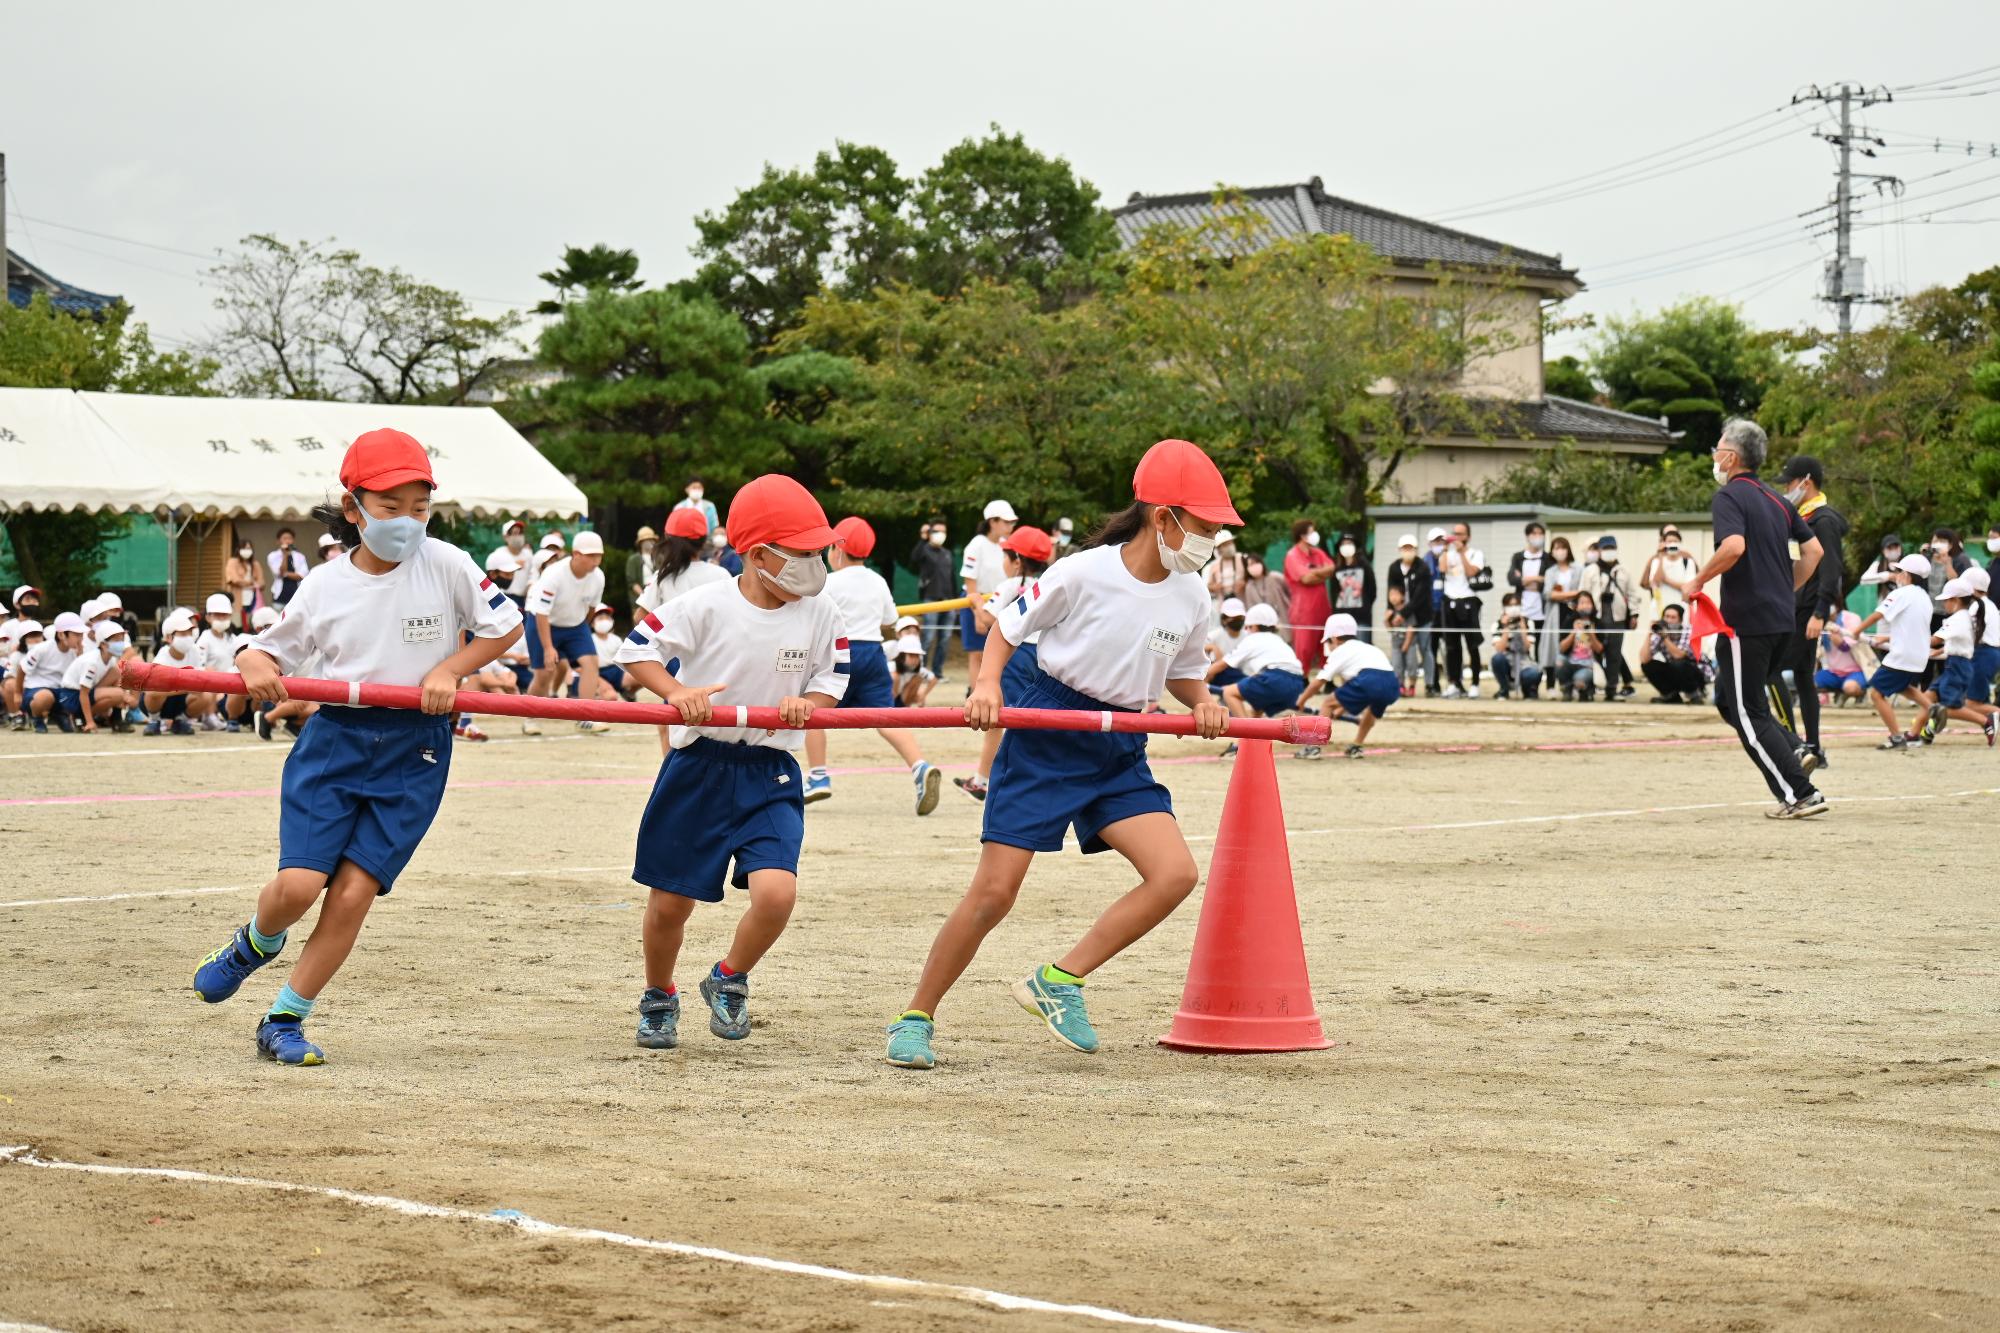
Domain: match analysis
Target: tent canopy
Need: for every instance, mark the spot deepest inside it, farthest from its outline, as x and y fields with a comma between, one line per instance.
x=259, y=457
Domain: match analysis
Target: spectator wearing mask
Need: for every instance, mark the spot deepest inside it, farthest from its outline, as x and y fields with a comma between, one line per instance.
x=1353, y=585
x=1561, y=583
x=514, y=546
x=1578, y=652
x=643, y=565
x=1264, y=584
x=1841, y=674
x=721, y=553
x=1878, y=579
x=1667, y=569
x=1670, y=664
x=1514, y=645
x=936, y=582
x=1228, y=572
x=1399, y=632
x=1413, y=576
x=694, y=495
x=983, y=570
x=1617, y=601
x=1065, y=537
x=1819, y=600
x=288, y=567
x=1993, y=551
x=1527, y=574
x=1307, y=569
x=1462, y=569
x=245, y=578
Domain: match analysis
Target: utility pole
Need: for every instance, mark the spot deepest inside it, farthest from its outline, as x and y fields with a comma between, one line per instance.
x=4, y=279
x=1846, y=280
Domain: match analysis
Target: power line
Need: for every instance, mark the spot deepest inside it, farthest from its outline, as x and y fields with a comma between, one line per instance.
x=108, y=236
x=1946, y=80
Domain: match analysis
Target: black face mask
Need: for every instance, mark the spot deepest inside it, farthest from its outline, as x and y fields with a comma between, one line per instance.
x=1233, y=626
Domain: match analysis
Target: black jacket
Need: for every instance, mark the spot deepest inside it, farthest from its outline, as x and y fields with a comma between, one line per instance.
x=936, y=572
x=1416, y=585
x=1825, y=593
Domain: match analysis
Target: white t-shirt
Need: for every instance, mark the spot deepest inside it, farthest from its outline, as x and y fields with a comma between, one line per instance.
x=1991, y=638
x=864, y=600
x=664, y=589
x=1350, y=659
x=1008, y=590
x=164, y=655
x=562, y=598
x=1108, y=635
x=388, y=629
x=607, y=645
x=1534, y=564
x=1261, y=651
x=217, y=652
x=43, y=665
x=1457, y=582
x=984, y=566
x=87, y=670
x=762, y=656
x=1956, y=634
x=1908, y=611
x=523, y=578
x=1223, y=641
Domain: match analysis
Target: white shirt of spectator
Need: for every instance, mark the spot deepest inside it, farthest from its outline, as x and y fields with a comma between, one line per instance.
x=763, y=656
x=217, y=652
x=1457, y=581
x=388, y=629
x=1534, y=564
x=43, y=665
x=1352, y=658
x=1261, y=651
x=563, y=599
x=985, y=564
x=1956, y=634
x=1008, y=590
x=275, y=559
x=664, y=589
x=1908, y=611
x=1109, y=635
x=88, y=668
x=864, y=600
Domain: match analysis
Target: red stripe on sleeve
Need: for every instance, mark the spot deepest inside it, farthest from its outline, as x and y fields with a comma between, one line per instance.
x=840, y=645
x=653, y=623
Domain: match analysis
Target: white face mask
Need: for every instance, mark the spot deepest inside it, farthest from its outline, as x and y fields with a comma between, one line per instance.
x=1193, y=553
x=1312, y=539
x=516, y=540
x=694, y=494
x=1534, y=543
x=937, y=538
x=802, y=576
x=1941, y=548
x=1347, y=550
x=718, y=538
x=1590, y=557
x=1437, y=548
x=183, y=644
x=1993, y=545
x=117, y=648
x=1720, y=473
x=602, y=624
x=220, y=624
x=243, y=552
x=1796, y=495
x=1062, y=539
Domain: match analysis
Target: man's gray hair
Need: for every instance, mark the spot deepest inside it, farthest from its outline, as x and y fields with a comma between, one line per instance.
x=1747, y=438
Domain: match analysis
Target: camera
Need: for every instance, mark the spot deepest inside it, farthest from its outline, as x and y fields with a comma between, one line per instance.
x=1660, y=627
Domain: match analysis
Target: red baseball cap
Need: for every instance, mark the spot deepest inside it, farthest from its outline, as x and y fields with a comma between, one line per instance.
x=774, y=510
x=853, y=535
x=689, y=523
x=1178, y=473
x=1032, y=543
x=384, y=458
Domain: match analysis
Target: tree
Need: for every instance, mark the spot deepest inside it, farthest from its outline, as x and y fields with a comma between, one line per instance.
x=1698, y=361
x=600, y=268
x=995, y=208
x=306, y=320
x=1605, y=483
x=1566, y=378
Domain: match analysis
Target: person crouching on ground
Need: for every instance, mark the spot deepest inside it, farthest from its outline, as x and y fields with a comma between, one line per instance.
x=1270, y=676
x=1670, y=664
x=1364, y=688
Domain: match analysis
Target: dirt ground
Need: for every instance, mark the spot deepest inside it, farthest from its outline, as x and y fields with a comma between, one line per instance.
x=1613, y=1051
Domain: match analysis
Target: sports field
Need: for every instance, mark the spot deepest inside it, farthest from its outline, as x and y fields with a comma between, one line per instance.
x=1613, y=1051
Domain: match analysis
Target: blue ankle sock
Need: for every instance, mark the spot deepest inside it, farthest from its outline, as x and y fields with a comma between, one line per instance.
x=266, y=944
x=291, y=1004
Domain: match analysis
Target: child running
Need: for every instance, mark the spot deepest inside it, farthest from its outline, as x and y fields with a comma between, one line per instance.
x=1907, y=609
x=1364, y=685
x=866, y=608
x=727, y=792
x=558, y=629
x=1986, y=652
x=1026, y=552
x=363, y=784
x=1119, y=620
x=1964, y=625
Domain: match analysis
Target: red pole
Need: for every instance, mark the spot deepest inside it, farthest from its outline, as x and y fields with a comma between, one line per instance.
x=152, y=677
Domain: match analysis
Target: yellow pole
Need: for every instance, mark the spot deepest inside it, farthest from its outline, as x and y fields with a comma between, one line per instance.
x=923, y=608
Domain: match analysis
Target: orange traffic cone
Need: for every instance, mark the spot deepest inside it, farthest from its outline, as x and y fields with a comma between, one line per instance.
x=1247, y=988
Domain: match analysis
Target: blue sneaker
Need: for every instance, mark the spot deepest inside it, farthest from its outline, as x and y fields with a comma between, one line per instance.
x=910, y=1043
x=819, y=786
x=283, y=1038
x=223, y=972
x=153, y=727
x=930, y=783
x=659, y=1019
x=39, y=724
x=1061, y=1007
x=728, y=1004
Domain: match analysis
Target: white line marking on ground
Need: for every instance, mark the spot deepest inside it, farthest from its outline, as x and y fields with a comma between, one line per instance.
x=24, y=1155
x=6, y=1327
x=119, y=897
x=166, y=747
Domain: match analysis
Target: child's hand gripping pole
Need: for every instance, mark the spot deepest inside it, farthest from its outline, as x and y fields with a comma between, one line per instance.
x=179, y=680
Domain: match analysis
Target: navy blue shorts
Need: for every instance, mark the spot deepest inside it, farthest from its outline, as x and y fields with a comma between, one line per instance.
x=1374, y=689
x=1889, y=682
x=1954, y=681
x=362, y=785
x=968, y=634
x=1023, y=669
x=1985, y=666
x=1272, y=690
x=869, y=684
x=1229, y=675
x=523, y=676
x=608, y=672
x=572, y=642
x=1045, y=781
x=71, y=701
x=714, y=801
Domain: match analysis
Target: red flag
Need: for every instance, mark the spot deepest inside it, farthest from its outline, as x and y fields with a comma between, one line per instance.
x=1707, y=620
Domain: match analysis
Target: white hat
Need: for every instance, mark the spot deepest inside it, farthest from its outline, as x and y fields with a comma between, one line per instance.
x=264, y=617
x=1915, y=565
x=327, y=539
x=105, y=631
x=91, y=608
x=504, y=560
x=1957, y=587
x=1232, y=606
x=588, y=543
x=553, y=539
x=1261, y=614
x=909, y=643
x=69, y=622
x=1340, y=625
x=907, y=622
x=110, y=601
x=1224, y=535
x=178, y=618
x=1000, y=509
x=1437, y=534
x=1408, y=539
x=1977, y=579
x=218, y=605
x=23, y=628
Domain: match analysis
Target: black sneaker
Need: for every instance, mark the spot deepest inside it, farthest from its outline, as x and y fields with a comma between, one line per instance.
x=1669, y=699
x=1896, y=740
x=1808, y=761
x=971, y=786
x=262, y=721
x=1804, y=808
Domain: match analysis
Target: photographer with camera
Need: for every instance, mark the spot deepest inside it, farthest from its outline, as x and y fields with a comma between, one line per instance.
x=1670, y=664
x=1514, y=651
x=1669, y=567
x=1577, y=653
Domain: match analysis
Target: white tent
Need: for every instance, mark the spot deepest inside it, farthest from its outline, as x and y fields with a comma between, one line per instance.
x=55, y=453
x=277, y=458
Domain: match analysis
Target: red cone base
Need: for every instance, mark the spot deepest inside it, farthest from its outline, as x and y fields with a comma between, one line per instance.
x=1247, y=989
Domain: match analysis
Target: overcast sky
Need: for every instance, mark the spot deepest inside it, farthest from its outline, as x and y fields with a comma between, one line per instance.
x=467, y=143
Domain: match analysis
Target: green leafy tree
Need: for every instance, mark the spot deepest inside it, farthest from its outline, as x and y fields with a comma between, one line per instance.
x=995, y=208
x=583, y=271
x=307, y=320
x=1605, y=483
x=1566, y=377
x=1696, y=363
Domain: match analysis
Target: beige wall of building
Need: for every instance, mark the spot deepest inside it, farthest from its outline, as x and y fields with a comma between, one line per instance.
x=1454, y=470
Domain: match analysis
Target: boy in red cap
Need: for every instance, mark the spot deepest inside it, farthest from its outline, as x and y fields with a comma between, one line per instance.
x=363, y=784
x=726, y=791
x=1026, y=552
x=1119, y=621
x=867, y=611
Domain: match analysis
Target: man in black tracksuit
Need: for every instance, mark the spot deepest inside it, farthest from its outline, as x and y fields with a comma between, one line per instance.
x=1822, y=598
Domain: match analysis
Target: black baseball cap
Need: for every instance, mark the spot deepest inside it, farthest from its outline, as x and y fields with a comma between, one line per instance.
x=1894, y=539
x=1803, y=467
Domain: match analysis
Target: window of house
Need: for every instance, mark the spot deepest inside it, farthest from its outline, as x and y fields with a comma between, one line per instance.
x=1450, y=495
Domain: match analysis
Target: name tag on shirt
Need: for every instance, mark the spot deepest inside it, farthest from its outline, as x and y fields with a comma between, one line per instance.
x=793, y=659
x=1165, y=642
x=423, y=629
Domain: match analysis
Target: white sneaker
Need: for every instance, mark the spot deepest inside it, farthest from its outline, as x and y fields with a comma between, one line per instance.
x=599, y=728
x=530, y=727
x=1453, y=692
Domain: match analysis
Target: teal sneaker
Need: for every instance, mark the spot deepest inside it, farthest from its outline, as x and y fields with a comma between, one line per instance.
x=1061, y=1007
x=728, y=1001
x=910, y=1043
x=659, y=1019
